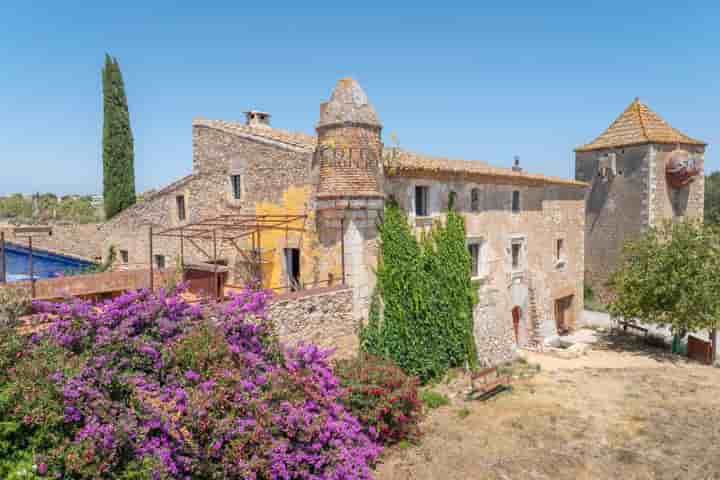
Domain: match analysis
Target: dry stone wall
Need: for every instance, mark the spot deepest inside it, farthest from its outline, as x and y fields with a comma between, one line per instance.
x=322, y=317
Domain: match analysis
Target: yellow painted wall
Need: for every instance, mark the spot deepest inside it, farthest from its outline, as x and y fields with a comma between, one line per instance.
x=316, y=261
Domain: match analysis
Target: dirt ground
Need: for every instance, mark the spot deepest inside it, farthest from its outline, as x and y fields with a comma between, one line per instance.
x=623, y=411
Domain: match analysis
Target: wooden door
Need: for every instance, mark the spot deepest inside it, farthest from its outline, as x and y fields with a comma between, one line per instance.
x=516, y=314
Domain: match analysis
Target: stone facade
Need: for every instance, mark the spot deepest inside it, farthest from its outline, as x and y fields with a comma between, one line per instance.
x=337, y=184
x=627, y=169
x=547, y=214
x=83, y=241
x=323, y=317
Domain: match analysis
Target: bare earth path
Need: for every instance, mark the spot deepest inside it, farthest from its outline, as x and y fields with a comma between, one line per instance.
x=624, y=411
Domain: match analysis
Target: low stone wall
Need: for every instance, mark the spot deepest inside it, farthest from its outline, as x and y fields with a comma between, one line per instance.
x=323, y=317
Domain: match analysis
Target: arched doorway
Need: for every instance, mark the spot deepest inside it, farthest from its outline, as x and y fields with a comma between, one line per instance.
x=516, y=316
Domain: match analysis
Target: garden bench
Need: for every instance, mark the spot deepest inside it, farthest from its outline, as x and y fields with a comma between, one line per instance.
x=487, y=382
x=633, y=326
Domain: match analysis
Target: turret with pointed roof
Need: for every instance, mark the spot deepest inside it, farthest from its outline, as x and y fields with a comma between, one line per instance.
x=638, y=125
x=349, y=149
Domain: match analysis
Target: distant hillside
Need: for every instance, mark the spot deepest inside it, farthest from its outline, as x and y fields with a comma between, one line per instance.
x=48, y=207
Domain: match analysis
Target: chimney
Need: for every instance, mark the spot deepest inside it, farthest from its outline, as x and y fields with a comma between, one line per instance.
x=516, y=164
x=256, y=118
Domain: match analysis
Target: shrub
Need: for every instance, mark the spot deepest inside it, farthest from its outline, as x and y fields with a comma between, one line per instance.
x=421, y=315
x=14, y=302
x=146, y=387
x=432, y=399
x=382, y=397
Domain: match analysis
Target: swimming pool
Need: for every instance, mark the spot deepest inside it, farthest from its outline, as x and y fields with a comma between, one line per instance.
x=45, y=264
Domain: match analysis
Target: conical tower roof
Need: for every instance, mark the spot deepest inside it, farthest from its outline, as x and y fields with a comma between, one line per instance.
x=637, y=125
x=348, y=104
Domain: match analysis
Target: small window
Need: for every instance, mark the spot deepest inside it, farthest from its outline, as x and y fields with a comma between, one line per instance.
x=160, y=262
x=124, y=256
x=478, y=267
x=236, y=181
x=475, y=200
x=421, y=201
x=452, y=197
x=516, y=250
x=180, y=201
x=516, y=201
x=474, y=250
x=559, y=249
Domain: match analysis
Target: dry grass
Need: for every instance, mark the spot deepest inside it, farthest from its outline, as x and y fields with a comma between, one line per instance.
x=630, y=413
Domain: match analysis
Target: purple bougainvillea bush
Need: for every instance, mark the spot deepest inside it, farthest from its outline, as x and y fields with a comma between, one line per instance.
x=147, y=387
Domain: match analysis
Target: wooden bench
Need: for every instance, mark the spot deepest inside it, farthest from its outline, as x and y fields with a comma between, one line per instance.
x=625, y=325
x=487, y=382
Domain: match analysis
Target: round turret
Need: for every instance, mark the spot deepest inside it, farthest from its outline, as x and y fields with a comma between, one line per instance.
x=349, y=149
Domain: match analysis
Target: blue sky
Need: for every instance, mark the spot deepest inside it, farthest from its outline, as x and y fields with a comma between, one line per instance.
x=456, y=79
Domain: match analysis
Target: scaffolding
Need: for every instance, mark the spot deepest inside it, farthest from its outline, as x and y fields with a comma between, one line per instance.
x=229, y=229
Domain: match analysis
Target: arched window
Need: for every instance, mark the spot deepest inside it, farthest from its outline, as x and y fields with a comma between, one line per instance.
x=475, y=200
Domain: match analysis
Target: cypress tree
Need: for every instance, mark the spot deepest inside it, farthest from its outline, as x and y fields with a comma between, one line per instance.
x=118, y=154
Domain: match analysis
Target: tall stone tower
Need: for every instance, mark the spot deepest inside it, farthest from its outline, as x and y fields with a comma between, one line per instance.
x=349, y=196
x=642, y=172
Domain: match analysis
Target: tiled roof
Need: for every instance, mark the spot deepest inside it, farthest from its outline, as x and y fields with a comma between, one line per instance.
x=402, y=162
x=294, y=139
x=638, y=125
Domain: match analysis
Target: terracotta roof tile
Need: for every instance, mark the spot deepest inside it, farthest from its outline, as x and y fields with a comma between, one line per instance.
x=402, y=162
x=637, y=125
x=295, y=139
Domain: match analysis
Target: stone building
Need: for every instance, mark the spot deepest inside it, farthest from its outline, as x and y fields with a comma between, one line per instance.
x=525, y=231
x=642, y=172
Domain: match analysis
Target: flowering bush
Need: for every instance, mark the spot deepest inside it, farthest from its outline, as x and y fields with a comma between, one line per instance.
x=382, y=397
x=146, y=387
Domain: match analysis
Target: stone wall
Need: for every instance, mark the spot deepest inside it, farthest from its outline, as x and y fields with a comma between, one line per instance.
x=494, y=335
x=548, y=212
x=323, y=317
x=276, y=179
x=621, y=207
x=83, y=241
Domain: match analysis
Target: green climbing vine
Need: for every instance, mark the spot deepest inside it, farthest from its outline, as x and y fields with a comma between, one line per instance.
x=421, y=314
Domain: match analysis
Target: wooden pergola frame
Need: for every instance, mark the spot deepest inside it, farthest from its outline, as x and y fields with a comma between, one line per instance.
x=226, y=228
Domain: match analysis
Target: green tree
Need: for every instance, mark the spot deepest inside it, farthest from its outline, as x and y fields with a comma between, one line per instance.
x=421, y=312
x=712, y=198
x=671, y=277
x=118, y=156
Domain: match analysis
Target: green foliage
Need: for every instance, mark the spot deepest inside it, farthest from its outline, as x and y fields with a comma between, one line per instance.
x=432, y=399
x=71, y=208
x=14, y=302
x=118, y=154
x=421, y=314
x=671, y=276
x=712, y=198
x=382, y=397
